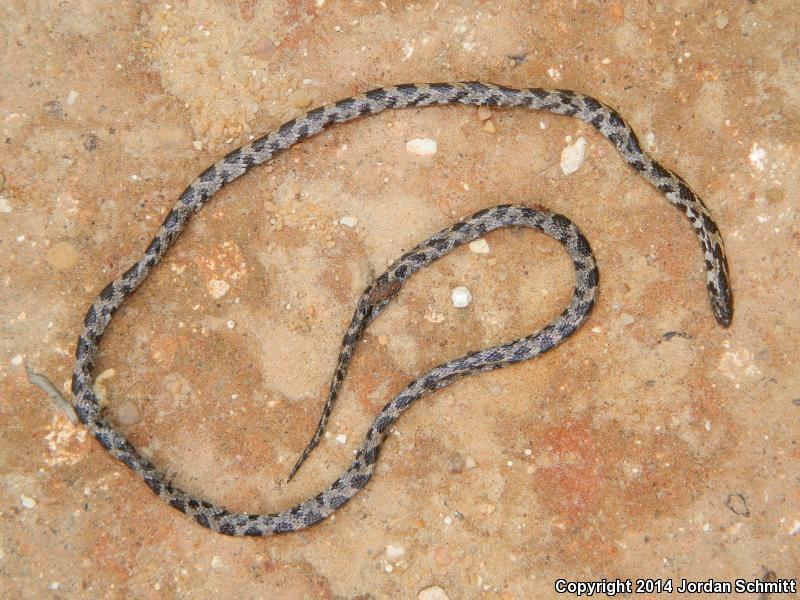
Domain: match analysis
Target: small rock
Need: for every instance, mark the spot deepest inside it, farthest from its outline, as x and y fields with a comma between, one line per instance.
x=90, y=142
x=127, y=413
x=72, y=97
x=572, y=156
x=433, y=592
x=626, y=319
x=198, y=145
x=383, y=340
x=341, y=438
x=461, y=297
x=489, y=127
x=217, y=288
x=455, y=464
x=470, y=463
x=5, y=205
x=484, y=113
x=17, y=360
x=448, y=520
x=721, y=22
x=348, y=221
x=394, y=552
x=737, y=504
x=300, y=99
x=554, y=73
x=479, y=246
x=54, y=109
x=421, y=146
x=62, y=256
x=27, y=501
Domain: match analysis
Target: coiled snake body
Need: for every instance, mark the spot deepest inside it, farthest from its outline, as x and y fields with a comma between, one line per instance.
x=379, y=293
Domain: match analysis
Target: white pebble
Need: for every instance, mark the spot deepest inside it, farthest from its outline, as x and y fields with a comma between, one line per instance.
x=433, y=592
x=5, y=205
x=626, y=319
x=17, y=360
x=721, y=21
x=528, y=451
x=448, y=520
x=757, y=156
x=572, y=156
x=470, y=463
x=395, y=552
x=388, y=568
x=217, y=288
x=554, y=73
x=73, y=95
x=341, y=438
x=479, y=246
x=27, y=501
x=198, y=145
x=231, y=324
x=348, y=221
x=461, y=297
x=421, y=146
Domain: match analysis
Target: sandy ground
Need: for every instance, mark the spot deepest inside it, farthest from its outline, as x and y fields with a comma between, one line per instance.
x=653, y=443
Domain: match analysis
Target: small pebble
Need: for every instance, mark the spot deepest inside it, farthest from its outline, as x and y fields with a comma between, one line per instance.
x=90, y=142
x=348, y=221
x=300, y=100
x=72, y=97
x=626, y=319
x=383, y=340
x=27, y=501
x=433, y=592
x=231, y=324
x=528, y=452
x=448, y=520
x=461, y=297
x=479, y=246
x=455, y=464
x=470, y=463
x=341, y=438
x=198, y=145
x=394, y=552
x=5, y=205
x=127, y=413
x=17, y=360
x=721, y=21
x=489, y=127
x=54, y=109
x=421, y=146
x=217, y=288
x=484, y=113
x=572, y=156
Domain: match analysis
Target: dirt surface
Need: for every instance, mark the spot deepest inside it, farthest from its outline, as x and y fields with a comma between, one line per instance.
x=653, y=443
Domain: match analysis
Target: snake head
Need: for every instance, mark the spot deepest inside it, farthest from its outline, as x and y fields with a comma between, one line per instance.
x=380, y=293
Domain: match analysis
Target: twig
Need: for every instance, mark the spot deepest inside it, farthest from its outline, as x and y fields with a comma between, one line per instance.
x=48, y=388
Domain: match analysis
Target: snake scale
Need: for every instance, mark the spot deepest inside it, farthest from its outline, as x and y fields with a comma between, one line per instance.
x=380, y=292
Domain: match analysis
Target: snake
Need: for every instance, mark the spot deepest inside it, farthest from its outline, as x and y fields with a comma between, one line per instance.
x=381, y=291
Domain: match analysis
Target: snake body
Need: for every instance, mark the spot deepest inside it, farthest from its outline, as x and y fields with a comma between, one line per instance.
x=377, y=296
